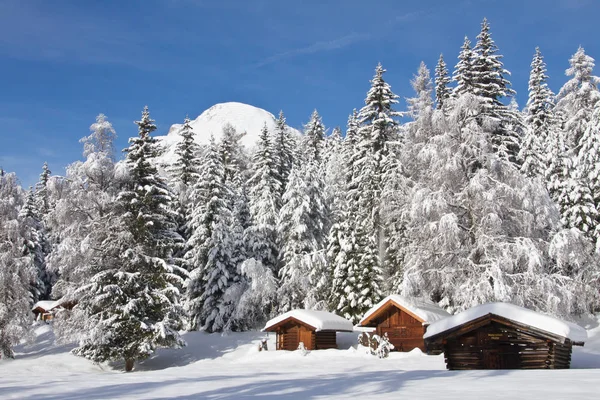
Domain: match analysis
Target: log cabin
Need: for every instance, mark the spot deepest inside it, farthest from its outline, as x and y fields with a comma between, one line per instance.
x=403, y=319
x=315, y=329
x=504, y=336
x=44, y=310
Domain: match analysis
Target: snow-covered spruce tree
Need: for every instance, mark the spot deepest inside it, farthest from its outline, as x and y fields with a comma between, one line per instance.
x=577, y=98
x=479, y=229
x=221, y=271
x=209, y=202
x=404, y=159
x=185, y=169
x=265, y=202
x=301, y=231
x=132, y=302
x=41, y=190
x=339, y=246
x=88, y=197
x=442, y=82
x=588, y=166
x=314, y=138
x=17, y=270
x=32, y=232
x=539, y=119
x=232, y=153
x=463, y=71
x=357, y=274
x=283, y=144
x=489, y=82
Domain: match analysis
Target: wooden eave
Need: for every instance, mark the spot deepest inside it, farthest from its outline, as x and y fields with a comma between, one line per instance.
x=384, y=308
x=278, y=325
x=486, y=319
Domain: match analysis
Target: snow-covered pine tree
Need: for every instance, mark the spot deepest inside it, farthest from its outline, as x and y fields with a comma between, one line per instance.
x=41, y=190
x=209, y=202
x=16, y=270
x=265, y=202
x=463, y=71
x=301, y=231
x=339, y=246
x=221, y=271
x=576, y=103
x=359, y=274
x=577, y=98
x=283, y=144
x=232, y=154
x=539, y=119
x=442, y=82
x=489, y=82
x=402, y=160
x=314, y=138
x=88, y=197
x=185, y=169
x=32, y=232
x=488, y=71
x=132, y=302
x=479, y=229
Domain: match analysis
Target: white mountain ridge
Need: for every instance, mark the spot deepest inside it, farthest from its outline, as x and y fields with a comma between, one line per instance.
x=243, y=117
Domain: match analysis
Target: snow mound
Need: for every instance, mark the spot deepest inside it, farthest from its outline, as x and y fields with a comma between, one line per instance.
x=514, y=313
x=243, y=117
x=427, y=311
x=320, y=320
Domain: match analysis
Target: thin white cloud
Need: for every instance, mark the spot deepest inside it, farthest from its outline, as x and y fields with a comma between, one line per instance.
x=313, y=48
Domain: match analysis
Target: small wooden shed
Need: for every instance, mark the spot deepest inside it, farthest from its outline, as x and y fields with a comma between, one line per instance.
x=44, y=310
x=315, y=329
x=403, y=319
x=504, y=336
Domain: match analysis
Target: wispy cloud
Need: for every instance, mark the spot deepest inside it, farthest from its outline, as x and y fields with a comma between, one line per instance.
x=313, y=48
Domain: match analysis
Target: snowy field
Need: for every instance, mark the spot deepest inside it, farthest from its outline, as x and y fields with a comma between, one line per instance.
x=230, y=367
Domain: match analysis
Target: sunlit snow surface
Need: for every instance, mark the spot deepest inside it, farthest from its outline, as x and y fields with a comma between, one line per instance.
x=243, y=117
x=230, y=367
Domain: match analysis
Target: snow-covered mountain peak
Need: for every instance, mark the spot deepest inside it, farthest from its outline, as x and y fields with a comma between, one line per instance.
x=243, y=117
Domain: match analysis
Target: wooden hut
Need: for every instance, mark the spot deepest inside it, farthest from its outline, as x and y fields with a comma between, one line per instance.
x=403, y=319
x=44, y=310
x=504, y=336
x=315, y=329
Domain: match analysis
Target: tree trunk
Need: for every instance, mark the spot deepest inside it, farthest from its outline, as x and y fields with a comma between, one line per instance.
x=129, y=364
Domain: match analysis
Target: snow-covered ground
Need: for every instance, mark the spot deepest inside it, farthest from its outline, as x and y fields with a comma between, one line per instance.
x=230, y=367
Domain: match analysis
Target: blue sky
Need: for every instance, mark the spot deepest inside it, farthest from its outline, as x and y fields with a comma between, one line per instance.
x=64, y=61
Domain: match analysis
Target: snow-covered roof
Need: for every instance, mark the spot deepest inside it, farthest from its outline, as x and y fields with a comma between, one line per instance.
x=425, y=310
x=514, y=313
x=46, y=305
x=320, y=320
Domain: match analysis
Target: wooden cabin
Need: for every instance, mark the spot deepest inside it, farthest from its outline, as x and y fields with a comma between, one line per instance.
x=403, y=319
x=315, y=329
x=504, y=336
x=44, y=310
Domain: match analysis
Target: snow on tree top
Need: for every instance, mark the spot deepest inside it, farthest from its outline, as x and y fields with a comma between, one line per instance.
x=243, y=117
x=320, y=320
x=427, y=311
x=514, y=313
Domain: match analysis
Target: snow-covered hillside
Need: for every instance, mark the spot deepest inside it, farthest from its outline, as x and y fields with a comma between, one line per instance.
x=243, y=117
x=231, y=367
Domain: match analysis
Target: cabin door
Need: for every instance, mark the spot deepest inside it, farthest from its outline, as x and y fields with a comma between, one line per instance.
x=503, y=357
x=306, y=338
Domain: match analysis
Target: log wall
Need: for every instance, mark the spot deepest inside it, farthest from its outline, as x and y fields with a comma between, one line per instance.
x=498, y=346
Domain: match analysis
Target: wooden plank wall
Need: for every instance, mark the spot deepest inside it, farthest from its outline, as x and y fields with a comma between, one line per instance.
x=496, y=346
x=325, y=340
x=404, y=331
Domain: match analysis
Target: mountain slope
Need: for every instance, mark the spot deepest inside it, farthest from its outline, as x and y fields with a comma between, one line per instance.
x=243, y=117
